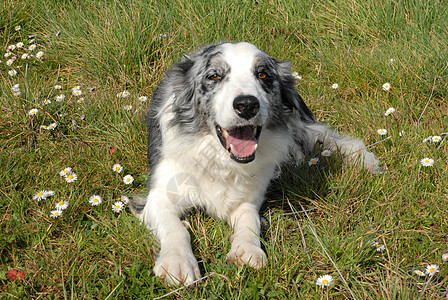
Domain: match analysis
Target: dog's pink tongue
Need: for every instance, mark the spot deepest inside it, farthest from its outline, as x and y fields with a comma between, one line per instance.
x=243, y=141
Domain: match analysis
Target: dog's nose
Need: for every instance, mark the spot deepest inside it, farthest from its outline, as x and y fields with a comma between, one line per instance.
x=246, y=106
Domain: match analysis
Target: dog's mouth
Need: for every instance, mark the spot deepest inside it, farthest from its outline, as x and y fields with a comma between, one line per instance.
x=240, y=142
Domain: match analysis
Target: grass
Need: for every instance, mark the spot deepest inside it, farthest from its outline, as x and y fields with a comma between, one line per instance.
x=340, y=210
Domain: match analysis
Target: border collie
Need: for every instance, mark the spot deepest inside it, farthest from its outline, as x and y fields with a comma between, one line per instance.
x=219, y=125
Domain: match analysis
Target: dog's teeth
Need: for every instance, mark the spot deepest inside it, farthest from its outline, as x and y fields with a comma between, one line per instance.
x=231, y=148
x=254, y=130
x=225, y=133
x=255, y=147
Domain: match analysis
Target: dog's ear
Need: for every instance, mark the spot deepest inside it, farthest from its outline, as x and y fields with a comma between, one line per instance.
x=183, y=85
x=291, y=99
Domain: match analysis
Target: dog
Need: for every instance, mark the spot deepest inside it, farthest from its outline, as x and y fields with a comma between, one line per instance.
x=219, y=124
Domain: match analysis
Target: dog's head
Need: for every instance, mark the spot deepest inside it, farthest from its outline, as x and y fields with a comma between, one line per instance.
x=235, y=91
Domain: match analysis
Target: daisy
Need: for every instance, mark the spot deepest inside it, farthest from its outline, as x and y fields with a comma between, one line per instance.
x=49, y=193
x=380, y=248
x=124, y=199
x=76, y=92
x=66, y=171
x=61, y=205
x=326, y=153
x=128, y=107
x=296, y=76
x=16, y=93
x=125, y=94
x=324, y=280
x=80, y=100
x=41, y=195
x=120, y=95
x=11, y=47
x=445, y=257
x=431, y=270
x=263, y=222
x=17, y=28
x=9, y=62
x=55, y=213
x=74, y=124
x=391, y=60
x=419, y=273
x=95, y=200
x=46, y=102
x=117, y=168
x=277, y=173
x=60, y=98
x=19, y=45
x=401, y=133
x=40, y=54
x=7, y=54
x=143, y=98
x=335, y=86
x=186, y=224
x=162, y=35
x=58, y=87
x=128, y=179
x=389, y=111
x=118, y=207
x=33, y=112
x=25, y=56
x=436, y=139
x=382, y=131
x=15, y=88
x=52, y=126
x=71, y=177
x=427, y=162
x=32, y=47
x=313, y=161
x=12, y=73
x=426, y=140
x=386, y=86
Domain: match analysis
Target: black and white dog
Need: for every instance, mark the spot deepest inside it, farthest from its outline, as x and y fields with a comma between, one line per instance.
x=219, y=125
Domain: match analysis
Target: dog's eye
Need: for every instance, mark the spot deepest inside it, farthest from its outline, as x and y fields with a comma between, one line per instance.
x=262, y=75
x=214, y=77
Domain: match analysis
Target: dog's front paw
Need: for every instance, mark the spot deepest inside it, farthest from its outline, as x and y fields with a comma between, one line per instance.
x=248, y=254
x=175, y=268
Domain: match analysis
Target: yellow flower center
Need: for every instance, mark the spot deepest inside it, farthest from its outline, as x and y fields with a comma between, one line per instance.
x=117, y=206
x=325, y=281
x=61, y=202
x=56, y=214
x=70, y=176
x=95, y=200
x=431, y=270
x=40, y=194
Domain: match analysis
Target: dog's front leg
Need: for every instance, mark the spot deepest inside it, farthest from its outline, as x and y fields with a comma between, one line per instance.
x=175, y=263
x=245, y=241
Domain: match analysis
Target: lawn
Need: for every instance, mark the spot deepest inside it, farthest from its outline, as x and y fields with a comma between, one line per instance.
x=76, y=78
